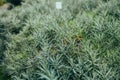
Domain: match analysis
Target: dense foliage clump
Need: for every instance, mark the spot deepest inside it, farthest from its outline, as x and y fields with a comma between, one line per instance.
x=78, y=42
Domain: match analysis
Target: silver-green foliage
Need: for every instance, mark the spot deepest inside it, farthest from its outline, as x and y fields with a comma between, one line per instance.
x=79, y=42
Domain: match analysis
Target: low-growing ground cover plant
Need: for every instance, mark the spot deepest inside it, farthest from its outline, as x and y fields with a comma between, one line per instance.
x=78, y=42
